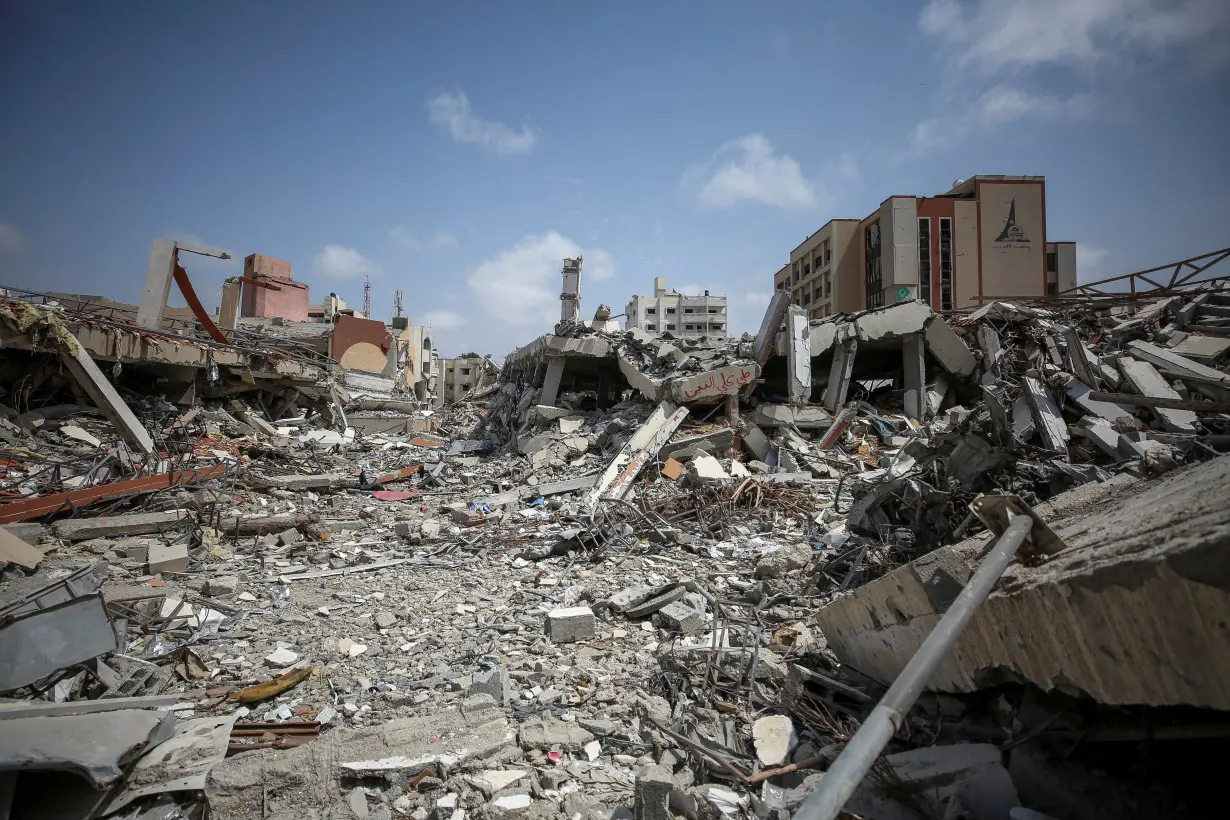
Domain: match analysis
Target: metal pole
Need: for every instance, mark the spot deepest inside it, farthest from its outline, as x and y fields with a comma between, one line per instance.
x=851, y=766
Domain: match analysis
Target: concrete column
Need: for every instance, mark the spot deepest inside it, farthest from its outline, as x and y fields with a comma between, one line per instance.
x=915, y=376
x=798, y=355
x=551, y=381
x=157, y=284
x=839, y=374
x=228, y=314
x=763, y=346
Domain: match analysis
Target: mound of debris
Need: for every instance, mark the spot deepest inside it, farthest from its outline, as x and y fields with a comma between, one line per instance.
x=638, y=574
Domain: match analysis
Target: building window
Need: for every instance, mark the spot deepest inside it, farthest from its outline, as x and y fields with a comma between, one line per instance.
x=465, y=386
x=671, y=326
x=689, y=327
x=713, y=310
x=1052, y=288
x=719, y=326
x=806, y=269
x=687, y=310
x=651, y=311
x=874, y=275
x=781, y=285
x=828, y=253
x=1052, y=262
x=945, y=263
x=465, y=371
x=670, y=311
x=924, y=259
x=651, y=326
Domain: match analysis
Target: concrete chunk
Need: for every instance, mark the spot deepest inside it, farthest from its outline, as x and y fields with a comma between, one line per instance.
x=653, y=792
x=1145, y=379
x=550, y=733
x=167, y=558
x=570, y=624
x=948, y=348
x=775, y=738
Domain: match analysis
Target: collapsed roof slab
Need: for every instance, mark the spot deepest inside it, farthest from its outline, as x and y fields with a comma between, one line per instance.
x=1127, y=614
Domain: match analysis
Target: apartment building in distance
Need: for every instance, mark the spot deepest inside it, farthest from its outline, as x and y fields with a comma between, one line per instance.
x=460, y=375
x=678, y=314
x=984, y=239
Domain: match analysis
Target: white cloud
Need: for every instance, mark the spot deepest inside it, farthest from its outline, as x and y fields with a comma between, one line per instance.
x=338, y=262
x=452, y=110
x=444, y=320
x=1005, y=34
x=519, y=287
x=12, y=240
x=749, y=168
x=1090, y=262
x=998, y=106
x=444, y=240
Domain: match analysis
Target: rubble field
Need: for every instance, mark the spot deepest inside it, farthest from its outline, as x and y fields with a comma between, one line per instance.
x=634, y=577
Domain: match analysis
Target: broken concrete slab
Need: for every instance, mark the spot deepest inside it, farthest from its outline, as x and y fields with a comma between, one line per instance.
x=653, y=791
x=636, y=453
x=1073, y=622
x=97, y=746
x=949, y=349
x=774, y=738
x=1146, y=381
x=798, y=355
x=83, y=529
x=1046, y=415
x=181, y=763
x=712, y=384
x=551, y=733
x=14, y=550
x=1178, y=365
x=310, y=777
x=87, y=374
x=893, y=321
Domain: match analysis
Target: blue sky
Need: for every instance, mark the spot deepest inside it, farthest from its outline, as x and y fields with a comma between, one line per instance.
x=458, y=151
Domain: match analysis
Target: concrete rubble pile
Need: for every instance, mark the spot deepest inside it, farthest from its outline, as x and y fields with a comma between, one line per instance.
x=638, y=576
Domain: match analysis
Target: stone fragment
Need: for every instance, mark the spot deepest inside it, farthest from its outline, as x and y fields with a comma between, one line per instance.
x=707, y=467
x=626, y=598
x=782, y=560
x=681, y=616
x=220, y=585
x=385, y=619
x=288, y=537
x=492, y=780
x=570, y=624
x=493, y=682
x=550, y=733
x=280, y=658
x=774, y=738
x=167, y=558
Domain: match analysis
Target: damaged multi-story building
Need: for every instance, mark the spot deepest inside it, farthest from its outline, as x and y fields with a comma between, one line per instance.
x=684, y=316
x=984, y=238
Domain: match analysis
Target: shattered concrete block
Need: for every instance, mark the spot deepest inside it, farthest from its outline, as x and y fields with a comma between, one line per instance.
x=220, y=586
x=403, y=528
x=681, y=616
x=430, y=528
x=784, y=559
x=652, y=793
x=167, y=558
x=534, y=444
x=288, y=537
x=649, y=387
x=650, y=605
x=568, y=426
x=493, y=682
x=626, y=598
x=385, y=619
x=755, y=440
x=550, y=733
x=570, y=624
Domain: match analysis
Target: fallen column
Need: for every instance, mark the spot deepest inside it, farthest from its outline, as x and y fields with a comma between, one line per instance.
x=798, y=355
x=840, y=373
x=643, y=446
x=104, y=395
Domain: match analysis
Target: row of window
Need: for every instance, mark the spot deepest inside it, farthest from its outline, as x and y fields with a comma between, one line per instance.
x=671, y=311
x=821, y=256
x=718, y=326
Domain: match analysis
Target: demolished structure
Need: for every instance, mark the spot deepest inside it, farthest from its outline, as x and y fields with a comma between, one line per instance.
x=631, y=574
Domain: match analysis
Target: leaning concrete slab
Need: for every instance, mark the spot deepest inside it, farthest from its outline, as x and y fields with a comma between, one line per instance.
x=101, y=392
x=840, y=373
x=551, y=381
x=762, y=348
x=1046, y=415
x=1181, y=366
x=1129, y=613
x=713, y=384
x=1145, y=379
x=948, y=348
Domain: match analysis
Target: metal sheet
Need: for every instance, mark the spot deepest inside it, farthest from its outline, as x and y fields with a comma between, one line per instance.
x=38, y=644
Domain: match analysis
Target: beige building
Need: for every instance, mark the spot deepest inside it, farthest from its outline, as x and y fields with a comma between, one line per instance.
x=463, y=374
x=817, y=268
x=678, y=314
x=984, y=239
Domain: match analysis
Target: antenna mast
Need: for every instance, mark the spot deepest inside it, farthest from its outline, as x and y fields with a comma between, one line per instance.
x=367, y=296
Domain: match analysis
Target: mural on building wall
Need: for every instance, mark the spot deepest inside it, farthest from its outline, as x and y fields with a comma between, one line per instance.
x=1013, y=235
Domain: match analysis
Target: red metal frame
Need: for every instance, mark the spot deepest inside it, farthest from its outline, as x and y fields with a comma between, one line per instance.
x=43, y=505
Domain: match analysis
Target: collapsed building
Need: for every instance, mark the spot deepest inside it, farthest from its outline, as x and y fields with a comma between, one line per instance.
x=630, y=574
